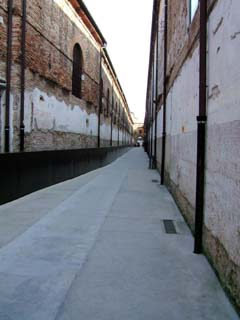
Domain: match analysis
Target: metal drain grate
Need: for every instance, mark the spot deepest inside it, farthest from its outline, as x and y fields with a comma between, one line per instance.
x=169, y=227
x=155, y=181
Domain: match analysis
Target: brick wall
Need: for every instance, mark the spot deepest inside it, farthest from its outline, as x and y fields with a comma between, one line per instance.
x=221, y=215
x=54, y=118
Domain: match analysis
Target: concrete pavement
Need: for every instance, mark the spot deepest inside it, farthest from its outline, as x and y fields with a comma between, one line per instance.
x=95, y=248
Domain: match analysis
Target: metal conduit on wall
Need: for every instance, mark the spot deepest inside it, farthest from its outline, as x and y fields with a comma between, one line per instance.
x=164, y=91
x=201, y=129
x=156, y=94
x=8, y=77
x=23, y=66
x=100, y=100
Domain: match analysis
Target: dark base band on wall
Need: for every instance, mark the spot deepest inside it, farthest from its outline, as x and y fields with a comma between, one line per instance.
x=24, y=173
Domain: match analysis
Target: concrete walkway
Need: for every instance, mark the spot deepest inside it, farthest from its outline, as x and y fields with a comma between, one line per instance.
x=95, y=248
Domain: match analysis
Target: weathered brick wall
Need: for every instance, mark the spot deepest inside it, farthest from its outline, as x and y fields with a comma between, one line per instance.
x=3, y=40
x=221, y=214
x=3, y=56
x=54, y=118
x=51, y=36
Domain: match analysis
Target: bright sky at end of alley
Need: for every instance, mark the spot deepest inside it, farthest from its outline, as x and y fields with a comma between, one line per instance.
x=126, y=26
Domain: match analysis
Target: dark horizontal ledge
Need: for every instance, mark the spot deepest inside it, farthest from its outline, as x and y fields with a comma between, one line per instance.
x=25, y=172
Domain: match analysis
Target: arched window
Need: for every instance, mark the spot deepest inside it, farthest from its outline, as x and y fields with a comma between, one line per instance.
x=77, y=71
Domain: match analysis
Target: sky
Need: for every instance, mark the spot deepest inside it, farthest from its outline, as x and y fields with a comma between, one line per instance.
x=126, y=26
x=194, y=5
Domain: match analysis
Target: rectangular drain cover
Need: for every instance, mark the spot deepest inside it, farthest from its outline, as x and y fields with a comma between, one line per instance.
x=169, y=226
x=155, y=181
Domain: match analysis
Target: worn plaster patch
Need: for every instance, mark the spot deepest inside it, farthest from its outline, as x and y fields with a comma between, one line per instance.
x=234, y=36
x=215, y=92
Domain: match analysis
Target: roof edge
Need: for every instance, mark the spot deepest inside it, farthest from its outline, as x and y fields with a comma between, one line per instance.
x=89, y=16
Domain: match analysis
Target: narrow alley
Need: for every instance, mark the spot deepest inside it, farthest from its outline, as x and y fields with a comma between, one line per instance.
x=102, y=247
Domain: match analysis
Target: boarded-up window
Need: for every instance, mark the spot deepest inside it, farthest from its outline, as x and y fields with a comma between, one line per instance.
x=77, y=71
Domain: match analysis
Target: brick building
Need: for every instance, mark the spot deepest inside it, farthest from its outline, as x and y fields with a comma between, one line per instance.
x=193, y=122
x=58, y=87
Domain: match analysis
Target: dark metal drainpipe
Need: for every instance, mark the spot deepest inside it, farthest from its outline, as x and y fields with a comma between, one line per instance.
x=147, y=130
x=156, y=101
x=111, y=138
x=152, y=119
x=123, y=128
x=8, y=76
x=164, y=92
x=201, y=130
x=100, y=101
x=118, y=123
x=23, y=66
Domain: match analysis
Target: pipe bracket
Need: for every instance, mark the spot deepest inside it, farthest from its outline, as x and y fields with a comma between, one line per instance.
x=201, y=119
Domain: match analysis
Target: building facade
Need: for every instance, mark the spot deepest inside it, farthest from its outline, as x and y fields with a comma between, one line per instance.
x=138, y=128
x=58, y=87
x=193, y=122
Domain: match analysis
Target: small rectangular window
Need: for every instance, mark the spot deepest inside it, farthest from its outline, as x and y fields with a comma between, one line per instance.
x=193, y=5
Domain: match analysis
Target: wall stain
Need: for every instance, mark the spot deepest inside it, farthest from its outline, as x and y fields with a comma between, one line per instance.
x=215, y=92
x=218, y=26
x=234, y=36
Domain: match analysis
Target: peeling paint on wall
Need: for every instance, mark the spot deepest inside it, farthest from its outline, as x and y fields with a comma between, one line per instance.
x=48, y=113
x=221, y=208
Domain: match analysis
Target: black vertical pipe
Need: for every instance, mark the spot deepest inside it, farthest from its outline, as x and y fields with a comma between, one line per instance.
x=23, y=65
x=123, y=129
x=156, y=96
x=8, y=76
x=147, y=130
x=149, y=127
x=122, y=125
x=201, y=129
x=147, y=124
x=100, y=101
x=164, y=91
x=152, y=119
x=118, y=122
x=111, y=138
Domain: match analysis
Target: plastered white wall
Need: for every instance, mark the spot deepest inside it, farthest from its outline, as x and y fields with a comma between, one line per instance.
x=45, y=112
x=105, y=131
x=115, y=134
x=222, y=201
x=182, y=102
x=223, y=61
